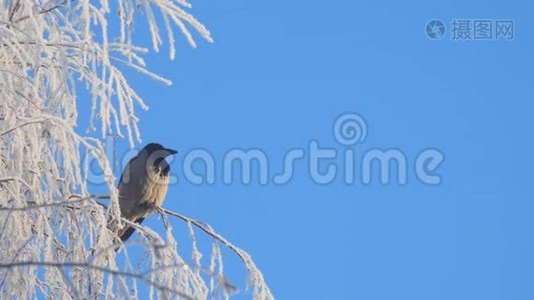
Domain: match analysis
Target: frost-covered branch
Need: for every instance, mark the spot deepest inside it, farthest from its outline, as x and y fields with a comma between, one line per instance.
x=261, y=290
x=61, y=60
x=84, y=265
x=31, y=205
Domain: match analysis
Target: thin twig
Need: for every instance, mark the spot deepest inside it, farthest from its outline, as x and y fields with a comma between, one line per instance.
x=44, y=11
x=62, y=265
x=46, y=205
x=209, y=231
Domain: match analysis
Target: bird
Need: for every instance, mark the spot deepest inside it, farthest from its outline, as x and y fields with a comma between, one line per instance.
x=143, y=185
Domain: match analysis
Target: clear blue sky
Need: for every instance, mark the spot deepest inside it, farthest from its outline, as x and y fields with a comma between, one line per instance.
x=279, y=74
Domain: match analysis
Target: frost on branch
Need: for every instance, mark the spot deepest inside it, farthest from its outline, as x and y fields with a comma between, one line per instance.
x=54, y=236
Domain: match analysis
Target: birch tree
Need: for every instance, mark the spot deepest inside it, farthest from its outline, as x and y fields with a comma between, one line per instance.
x=55, y=238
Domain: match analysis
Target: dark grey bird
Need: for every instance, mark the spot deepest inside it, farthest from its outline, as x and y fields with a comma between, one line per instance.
x=143, y=184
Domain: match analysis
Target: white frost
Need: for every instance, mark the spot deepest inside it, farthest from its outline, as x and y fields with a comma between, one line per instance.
x=54, y=236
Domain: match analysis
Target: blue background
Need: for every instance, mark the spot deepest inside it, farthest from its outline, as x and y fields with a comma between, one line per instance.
x=278, y=75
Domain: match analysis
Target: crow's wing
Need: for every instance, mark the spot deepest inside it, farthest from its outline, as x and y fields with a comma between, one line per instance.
x=127, y=231
x=126, y=169
x=130, y=230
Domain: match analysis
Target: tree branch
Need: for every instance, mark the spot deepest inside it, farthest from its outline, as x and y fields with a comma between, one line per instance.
x=257, y=276
x=61, y=265
x=44, y=11
x=59, y=203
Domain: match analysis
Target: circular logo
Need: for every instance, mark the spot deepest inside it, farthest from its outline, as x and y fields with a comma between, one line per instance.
x=350, y=129
x=435, y=29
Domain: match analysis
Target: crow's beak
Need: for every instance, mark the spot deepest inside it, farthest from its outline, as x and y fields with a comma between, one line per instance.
x=171, y=151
